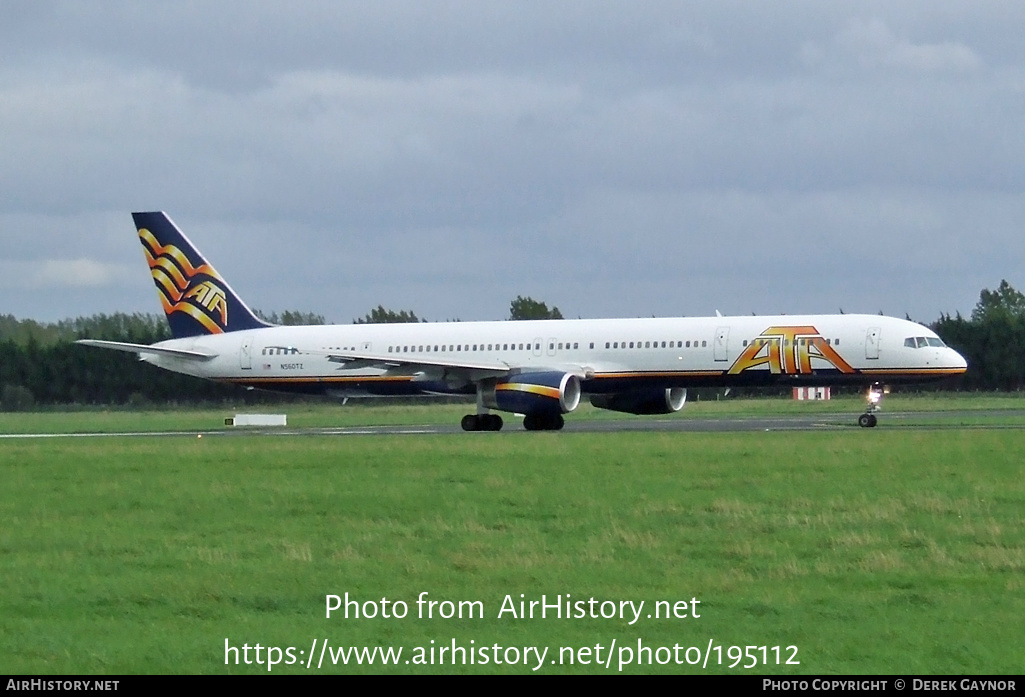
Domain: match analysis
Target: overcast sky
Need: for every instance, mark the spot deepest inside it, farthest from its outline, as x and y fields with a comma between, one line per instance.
x=611, y=158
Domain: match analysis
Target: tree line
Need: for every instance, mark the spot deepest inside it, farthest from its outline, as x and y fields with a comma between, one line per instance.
x=992, y=340
x=40, y=364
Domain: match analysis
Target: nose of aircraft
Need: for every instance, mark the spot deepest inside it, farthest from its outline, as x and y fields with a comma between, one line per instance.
x=957, y=361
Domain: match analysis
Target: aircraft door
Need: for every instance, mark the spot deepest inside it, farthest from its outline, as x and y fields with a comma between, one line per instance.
x=721, y=344
x=872, y=343
x=245, y=354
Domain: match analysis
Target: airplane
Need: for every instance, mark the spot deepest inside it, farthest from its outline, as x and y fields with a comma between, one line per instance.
x=538, y=369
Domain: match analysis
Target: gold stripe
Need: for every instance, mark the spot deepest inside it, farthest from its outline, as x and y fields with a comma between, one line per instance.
x=171, y=270
x=543, y=390
x=663, y=374
x=198, y=315
x=172, y=290
x=915, y=371
x=176, y=254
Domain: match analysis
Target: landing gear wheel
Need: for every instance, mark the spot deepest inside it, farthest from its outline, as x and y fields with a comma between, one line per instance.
x=867, y=420
x=470, y=422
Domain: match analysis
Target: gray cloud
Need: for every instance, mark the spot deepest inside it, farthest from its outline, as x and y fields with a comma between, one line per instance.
x=610, y=158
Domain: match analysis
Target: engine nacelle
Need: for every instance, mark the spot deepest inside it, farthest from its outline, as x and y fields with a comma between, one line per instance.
x=533, y=393
x=643, y=402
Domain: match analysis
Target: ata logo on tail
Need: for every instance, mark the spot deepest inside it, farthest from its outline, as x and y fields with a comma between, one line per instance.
x=789, y=351
x=193, y=290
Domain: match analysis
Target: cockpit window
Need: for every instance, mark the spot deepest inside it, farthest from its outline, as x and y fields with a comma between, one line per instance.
x=923, y=341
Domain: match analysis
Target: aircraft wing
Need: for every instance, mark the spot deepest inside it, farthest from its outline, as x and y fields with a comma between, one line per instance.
x=143, y=348
x=473, y=370
x=355, y=359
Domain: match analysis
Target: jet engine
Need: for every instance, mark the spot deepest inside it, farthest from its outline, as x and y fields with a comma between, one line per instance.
x=534, y=393
x=643, y=402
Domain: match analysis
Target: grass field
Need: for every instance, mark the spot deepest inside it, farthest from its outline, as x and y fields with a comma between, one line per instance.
x=891, y=550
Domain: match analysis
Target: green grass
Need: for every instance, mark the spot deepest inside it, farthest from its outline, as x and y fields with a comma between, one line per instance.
x=885, y=551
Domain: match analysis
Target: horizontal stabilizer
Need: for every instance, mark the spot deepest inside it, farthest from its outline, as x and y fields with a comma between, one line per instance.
x=143, y=348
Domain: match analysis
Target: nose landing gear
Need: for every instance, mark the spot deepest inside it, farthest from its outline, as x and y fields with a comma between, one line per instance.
x=874, y=398
x=867, y=420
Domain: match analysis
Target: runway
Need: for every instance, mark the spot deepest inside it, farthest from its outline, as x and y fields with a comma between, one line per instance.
x=683, y=424
x=909, y=420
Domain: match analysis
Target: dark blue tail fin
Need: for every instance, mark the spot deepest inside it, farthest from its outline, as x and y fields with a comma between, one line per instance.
x=195, y=298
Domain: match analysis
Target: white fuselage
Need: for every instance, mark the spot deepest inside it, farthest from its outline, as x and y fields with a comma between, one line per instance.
x=608, y=355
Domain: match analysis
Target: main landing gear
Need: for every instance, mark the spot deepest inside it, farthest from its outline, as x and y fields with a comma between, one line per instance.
x=875, y=397
x=483, y=420
x=531, y=422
